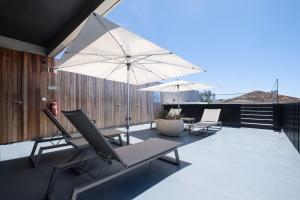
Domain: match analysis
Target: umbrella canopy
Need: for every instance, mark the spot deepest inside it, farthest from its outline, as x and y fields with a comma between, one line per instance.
x=178, y=86
x=105, y=50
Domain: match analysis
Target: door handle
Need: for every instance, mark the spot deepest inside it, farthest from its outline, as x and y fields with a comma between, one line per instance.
x=19, y=102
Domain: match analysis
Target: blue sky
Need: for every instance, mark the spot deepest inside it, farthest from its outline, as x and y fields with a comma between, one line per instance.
x=244, y=44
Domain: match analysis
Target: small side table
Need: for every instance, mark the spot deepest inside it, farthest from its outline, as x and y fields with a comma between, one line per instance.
x=189, y=121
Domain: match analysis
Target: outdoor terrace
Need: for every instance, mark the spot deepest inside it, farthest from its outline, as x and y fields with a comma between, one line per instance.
x=235, y=163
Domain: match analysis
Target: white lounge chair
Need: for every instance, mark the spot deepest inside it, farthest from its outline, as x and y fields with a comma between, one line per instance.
x=209, y=121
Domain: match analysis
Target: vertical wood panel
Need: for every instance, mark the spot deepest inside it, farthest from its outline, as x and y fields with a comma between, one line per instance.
x=25, y=77
x=102, y=100
x=10, y=91
x=6, y=122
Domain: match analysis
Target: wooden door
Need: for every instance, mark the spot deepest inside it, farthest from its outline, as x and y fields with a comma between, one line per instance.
x=10, y=96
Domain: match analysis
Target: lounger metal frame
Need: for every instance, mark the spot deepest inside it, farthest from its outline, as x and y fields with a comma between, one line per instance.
x=61, y=135
x=107, y=161
x=208, y=123
x=107, y=155
x=78, y=190
x=215, y=127
x=36, y=158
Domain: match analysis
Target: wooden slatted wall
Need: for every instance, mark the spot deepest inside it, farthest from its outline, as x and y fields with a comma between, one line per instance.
x=102, y=100
x=35, y=83
x=24, y=78
x=10, y=91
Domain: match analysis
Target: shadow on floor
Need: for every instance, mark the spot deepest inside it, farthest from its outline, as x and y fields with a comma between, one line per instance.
x=20, y=181
x=134, y=183
x=184, y=138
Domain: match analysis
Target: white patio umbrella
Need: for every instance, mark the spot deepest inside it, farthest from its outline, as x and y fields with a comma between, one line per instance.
x=178, y=86
x=105, y=50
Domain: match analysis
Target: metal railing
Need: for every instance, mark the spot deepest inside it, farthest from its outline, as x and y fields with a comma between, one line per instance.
x=291, y=122
x=230, y=114
x=274, y=92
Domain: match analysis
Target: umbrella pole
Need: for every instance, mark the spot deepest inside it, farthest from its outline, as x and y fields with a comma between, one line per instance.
x=128, y=105
x=178, y=96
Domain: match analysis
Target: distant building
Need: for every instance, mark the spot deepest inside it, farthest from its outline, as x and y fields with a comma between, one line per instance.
x=172, y=97
x=260, y=97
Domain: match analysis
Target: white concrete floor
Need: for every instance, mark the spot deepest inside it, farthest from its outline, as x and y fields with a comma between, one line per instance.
x=23, y=149
x=233, y=164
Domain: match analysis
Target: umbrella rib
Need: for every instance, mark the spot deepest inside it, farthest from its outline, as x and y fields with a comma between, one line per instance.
x=112, y=62
x=160, y=62
x=105, y=53
x=134, y=75
x=116, y=68
x=137, y=60
x=162, y=89
x=142, y=67
x=113, y=37
x=104, y=56
x=85, y=64
x=147, y=56
x=188, y=86
x=146, y=63
x=153, y=54
x=76, y=65
x=96, y=54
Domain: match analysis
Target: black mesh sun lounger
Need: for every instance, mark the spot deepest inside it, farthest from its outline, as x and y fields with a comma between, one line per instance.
x=75, y=140
x=130, y=156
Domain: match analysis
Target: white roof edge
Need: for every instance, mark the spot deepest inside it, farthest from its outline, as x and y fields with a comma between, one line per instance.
x=106, y=7
x=18, y=45
x=103, y=9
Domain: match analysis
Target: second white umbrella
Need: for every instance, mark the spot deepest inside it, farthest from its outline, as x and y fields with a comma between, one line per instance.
x=178, y=86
